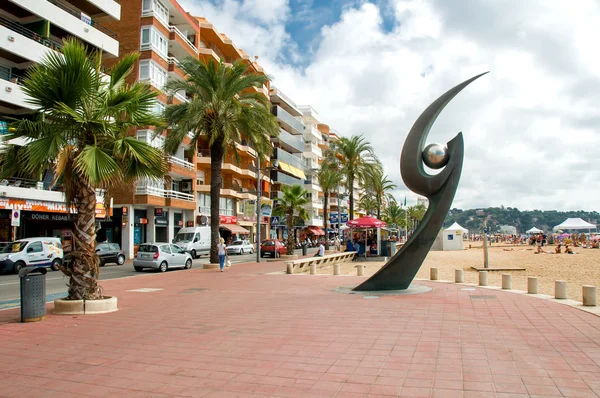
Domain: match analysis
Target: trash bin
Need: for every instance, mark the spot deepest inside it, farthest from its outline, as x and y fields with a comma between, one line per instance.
x=304, y=250
x=33, y=294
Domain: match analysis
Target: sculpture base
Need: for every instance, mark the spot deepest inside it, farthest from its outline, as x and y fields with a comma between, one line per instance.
x=412, y=289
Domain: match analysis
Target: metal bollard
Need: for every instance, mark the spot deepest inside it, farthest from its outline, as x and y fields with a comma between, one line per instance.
x=506, y=281
x=433, y=274
x=483, y=278
x=313, y=268
x=360, y=270
x=336, y=269
x=459, y=276
x=532, y=285
x=589, y=295
x=560, y=290
x=290, y=268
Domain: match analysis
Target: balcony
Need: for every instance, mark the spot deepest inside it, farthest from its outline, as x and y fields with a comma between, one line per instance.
x=74, y=21
x=174, y=70
x=315, y=222
x=316, y=204
x=181, y=168
x=165, y=197
x=25, y=43
x=208, y=53
x=313, y=134
x=312, y=186
x=289, y=142
x=292, y=160
x=312, y=150
x=296, y=126
x=246, y=149
x=175, y=35
x=280, y=178
x=10, y=91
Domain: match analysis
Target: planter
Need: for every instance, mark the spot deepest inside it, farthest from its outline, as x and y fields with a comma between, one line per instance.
x=211, y=266
x=85, y=307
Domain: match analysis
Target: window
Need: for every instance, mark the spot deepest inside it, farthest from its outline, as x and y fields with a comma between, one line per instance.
x=148, y=137
x=157, y=8
x=165, y=249
x=150, y=70
x=226, y=206
x=153, y=39
x=203, y=203
x=158, y=108
x=35, y=247
x=175, y=185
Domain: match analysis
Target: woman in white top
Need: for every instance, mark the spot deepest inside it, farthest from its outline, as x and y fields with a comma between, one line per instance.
x=222, y=251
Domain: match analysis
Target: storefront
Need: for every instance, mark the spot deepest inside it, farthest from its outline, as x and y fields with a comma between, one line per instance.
x=161, y=225
x=140, y=221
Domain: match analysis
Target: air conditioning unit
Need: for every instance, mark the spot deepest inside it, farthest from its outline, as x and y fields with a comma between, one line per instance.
x=186, y=187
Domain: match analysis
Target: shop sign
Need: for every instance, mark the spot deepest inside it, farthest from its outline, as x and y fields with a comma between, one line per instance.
x=124, y=211
x=228, y=220
x=45, y=206
x=158, y=212
x=264, y=220
x=249, y=208
x=266, y=206
x=344, y=218
x=161, y=222
x=143, y=221
x=49, y=217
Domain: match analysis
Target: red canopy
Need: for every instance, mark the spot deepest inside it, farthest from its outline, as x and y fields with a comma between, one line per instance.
x=316, y=230
x=366, y=222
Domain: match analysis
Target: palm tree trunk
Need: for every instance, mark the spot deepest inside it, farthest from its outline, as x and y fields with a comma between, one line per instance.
x=351, y=191
x=379, y=207
x=216, y=162
x=81, y=265
x=325, y=218
x=289, y=250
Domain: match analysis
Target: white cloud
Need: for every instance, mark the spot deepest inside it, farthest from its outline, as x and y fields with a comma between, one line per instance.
x=530, y=126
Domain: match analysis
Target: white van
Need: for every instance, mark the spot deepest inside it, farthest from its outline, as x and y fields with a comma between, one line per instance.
x=31, y=252
x=194, y=240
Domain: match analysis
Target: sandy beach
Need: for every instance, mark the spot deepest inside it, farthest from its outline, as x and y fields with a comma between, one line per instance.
x=582, y=268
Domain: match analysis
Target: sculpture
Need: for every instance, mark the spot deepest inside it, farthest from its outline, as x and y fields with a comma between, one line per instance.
x=400, y=270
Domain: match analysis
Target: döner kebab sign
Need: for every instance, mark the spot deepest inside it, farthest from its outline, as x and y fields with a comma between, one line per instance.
x=43, y=206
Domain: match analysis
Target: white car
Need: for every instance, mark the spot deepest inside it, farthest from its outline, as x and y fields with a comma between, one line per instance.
x=161, y=256
x=240, y=247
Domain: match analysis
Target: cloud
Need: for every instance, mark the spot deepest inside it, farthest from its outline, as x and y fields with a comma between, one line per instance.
x=530, y=126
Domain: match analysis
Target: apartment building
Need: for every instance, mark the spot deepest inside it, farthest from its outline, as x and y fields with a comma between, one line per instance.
x=287, y=149
x=164, y=34
x=29, y=29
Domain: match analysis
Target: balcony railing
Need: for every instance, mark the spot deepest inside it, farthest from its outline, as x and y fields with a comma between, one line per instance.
x=181, y=97
x=288, y=119
x=32, y=184
x=284, y=156
x=144, y=189
x=77, y=14
x=16, y=27
x=174, y=29
x=7, y=74
x=182, y=163
x=290, y=140
x=284, y=179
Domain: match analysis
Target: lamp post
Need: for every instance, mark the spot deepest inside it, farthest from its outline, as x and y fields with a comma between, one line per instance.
x=258, y=202
x=481, y=213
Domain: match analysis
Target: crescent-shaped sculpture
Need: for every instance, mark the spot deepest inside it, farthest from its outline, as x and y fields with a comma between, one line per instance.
x=400, y=270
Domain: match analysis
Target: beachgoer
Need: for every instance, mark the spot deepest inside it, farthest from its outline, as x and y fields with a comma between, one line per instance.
x=320, y=250
x=222, y=251
x=337, y=243
x=568, y=250
x=557, y=249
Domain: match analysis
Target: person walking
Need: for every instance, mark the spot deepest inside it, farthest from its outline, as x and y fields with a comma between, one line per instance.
x=222, y=251
x=337, y=243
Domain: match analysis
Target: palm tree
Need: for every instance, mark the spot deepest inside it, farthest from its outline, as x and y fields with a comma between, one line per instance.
x=329, y=179
x=416, y=213
x=356, y=158
x=80, y=132
x=394, y=215
x=368, y=203
x=379, y=185
x=291, y=205
x=222, y=108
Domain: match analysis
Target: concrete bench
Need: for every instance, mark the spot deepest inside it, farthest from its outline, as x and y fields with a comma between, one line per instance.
x=303, y=264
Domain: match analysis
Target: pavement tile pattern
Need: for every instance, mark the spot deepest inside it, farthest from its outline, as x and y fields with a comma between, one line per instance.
x=248, y=333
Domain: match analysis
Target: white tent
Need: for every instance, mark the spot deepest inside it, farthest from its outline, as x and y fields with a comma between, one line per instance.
x=453, y=237
x=574, y=223
x=534, y=230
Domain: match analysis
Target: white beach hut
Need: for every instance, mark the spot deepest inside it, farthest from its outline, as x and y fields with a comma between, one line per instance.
x=453, y=237
x=574, y=223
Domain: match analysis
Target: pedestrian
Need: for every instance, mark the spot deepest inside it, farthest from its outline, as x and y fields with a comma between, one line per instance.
x=222, y=248
x=337, y=243
x=320, y=250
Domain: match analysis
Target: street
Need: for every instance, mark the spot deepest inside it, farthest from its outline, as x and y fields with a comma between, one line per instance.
x=56, y=282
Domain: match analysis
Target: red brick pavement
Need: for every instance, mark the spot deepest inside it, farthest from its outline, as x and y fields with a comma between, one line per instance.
x=252, y=334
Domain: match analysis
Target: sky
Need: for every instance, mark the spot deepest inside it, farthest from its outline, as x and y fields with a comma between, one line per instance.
x=371, y=67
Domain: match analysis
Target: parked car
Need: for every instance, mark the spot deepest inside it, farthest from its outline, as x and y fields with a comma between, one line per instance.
x=272, y=247
x=32, y=252
x=161, y=256
x=194, y=240
x=110, y=253
x=240, y=247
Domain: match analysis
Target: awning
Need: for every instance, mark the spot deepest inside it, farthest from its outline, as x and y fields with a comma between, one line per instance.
x=288, y=168
x=316, y=230
x=285, y=167
x=235, y=229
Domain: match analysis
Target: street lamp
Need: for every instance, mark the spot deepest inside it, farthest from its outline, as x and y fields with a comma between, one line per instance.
x=275, y=164
x=481, y=213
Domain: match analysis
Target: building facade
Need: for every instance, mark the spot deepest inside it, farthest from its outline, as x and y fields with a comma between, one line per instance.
x=30, y=29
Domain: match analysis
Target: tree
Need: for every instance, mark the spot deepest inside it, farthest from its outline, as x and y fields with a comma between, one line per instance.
x=80, y=132
x=394, y=215
x=222, y=108
x=379, y=185
x=368, y=203
x=416, y=213
x=291, y=206
x=356, y=158
x=329, y=178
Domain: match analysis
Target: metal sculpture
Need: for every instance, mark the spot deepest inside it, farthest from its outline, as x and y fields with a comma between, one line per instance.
x=400, y=270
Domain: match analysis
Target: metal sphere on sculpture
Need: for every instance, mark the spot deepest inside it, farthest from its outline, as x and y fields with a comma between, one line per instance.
x=435, y=156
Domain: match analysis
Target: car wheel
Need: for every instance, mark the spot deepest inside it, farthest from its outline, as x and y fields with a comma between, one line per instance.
x=188, y=263
x=163, y=267
x=251, y=251
x=241, y=252
x=120, y=259
x=193, y=253
x=138, y=269
x=55, y=264
x=18, y=266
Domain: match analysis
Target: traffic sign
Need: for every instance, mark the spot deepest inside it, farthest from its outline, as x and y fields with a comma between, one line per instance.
x=275, y=220
x=15, y=219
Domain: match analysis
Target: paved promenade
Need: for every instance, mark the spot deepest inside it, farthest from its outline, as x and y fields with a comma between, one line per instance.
x=247, y=333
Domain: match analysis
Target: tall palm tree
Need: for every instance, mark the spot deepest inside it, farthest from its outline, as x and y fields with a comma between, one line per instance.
x=356, y=158
x=292, y=206
x=394, y=215
x=222, y=108
x=416, y=213
x=329, y=178
x=368, y=203
x=80, y=132
x=380, y=186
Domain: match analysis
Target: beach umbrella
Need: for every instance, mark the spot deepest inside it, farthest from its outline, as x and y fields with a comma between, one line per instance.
x=563, y=236
x=595, y=237
x=366, y=222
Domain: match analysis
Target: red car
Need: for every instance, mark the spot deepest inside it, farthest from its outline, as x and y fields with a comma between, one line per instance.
x=272, y=247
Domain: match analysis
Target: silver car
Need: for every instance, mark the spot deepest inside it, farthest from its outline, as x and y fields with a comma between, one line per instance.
x=161, y=256
x=240, y=247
